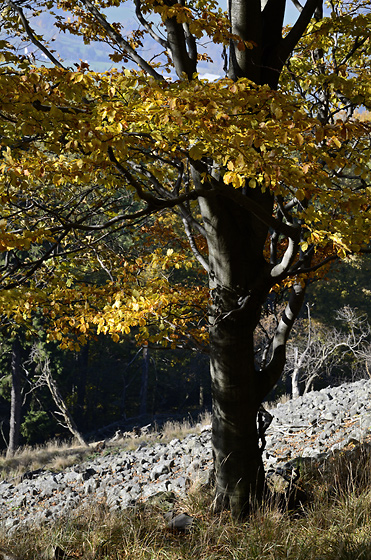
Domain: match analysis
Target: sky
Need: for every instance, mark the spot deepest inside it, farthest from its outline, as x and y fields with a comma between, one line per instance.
x=72, y=48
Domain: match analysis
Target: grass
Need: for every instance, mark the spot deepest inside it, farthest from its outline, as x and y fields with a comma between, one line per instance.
x=335, y=524
x=58, y=455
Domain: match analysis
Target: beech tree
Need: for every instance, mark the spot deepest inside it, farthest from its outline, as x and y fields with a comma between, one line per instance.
x=267, y=169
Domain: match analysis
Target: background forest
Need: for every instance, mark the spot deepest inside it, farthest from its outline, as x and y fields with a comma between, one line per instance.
x=110, y=384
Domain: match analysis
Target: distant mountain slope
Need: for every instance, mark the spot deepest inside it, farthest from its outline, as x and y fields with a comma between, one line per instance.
x=72, y=49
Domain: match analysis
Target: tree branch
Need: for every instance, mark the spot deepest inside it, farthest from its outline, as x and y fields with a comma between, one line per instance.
x=297, y=5
x=192, y=244
x=287, y=259
x=119, y=40
x=269, y=376
x=148, y=27
x=155, y=203
x=183, y=61
x=291, y=40
x=31, y=35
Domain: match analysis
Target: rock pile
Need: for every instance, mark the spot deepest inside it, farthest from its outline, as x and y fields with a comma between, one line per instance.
x=319, y=423
x=311, y=426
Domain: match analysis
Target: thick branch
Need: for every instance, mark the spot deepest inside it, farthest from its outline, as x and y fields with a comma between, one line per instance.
x=184, y=62
x=291, y=40
x=245, y=17
x=287, y=259
x=297, y=5
x=272, y=372
x=272, y=20
x=190, y=42
x=148, y=27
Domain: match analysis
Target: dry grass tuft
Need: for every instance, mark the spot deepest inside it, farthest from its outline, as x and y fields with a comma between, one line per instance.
x=172, y=429
x=283, y=399
x=53, y=455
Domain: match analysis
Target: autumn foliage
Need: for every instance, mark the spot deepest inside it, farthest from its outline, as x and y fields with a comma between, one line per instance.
x=123, y=191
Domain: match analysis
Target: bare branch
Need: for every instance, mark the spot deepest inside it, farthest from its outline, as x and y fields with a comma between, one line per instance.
x=31, y=35
x=148, y=27
x=297, y=5
x=119, y=40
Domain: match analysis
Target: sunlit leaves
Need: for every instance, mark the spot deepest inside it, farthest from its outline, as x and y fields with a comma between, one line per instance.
x=82, y=151
x=259, y=137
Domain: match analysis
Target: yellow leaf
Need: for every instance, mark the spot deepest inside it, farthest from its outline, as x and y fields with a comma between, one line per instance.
x=300, y=194
x=299, y=139
x=197, y=151
x=336, y=141
x=304, y=246
x=78, y=78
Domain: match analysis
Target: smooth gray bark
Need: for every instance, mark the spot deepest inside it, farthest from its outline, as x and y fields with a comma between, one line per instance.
x=238, y=273
x=16, y=399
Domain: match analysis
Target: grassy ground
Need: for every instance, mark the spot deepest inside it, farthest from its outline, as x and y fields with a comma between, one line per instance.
x=335, y=524
x=57, y=455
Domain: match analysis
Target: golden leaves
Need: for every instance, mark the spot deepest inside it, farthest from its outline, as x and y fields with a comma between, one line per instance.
x=254, y=137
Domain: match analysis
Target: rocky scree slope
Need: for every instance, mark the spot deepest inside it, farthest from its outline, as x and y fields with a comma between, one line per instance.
x=315, y=426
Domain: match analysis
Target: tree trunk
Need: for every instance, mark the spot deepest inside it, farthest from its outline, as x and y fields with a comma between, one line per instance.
x=239, y=284
x=239, y=275
x=240, y=281
x=16, y=400
x=144, y=382
x=295, y=390
x=63, y=409
x=239, y=472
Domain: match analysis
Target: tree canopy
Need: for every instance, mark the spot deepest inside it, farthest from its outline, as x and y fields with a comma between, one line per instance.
x=113, y=182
